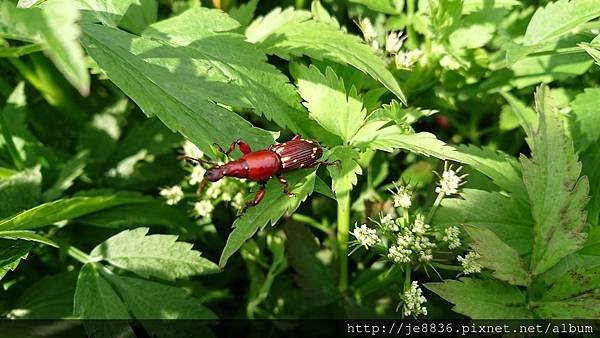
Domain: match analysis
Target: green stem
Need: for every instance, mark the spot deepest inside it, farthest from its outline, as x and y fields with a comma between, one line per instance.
x=74, y=252
x=410, y=32
x=436, y=204
x=343, y=231
x=310, y=221
x=446, y=266
x=407, y=280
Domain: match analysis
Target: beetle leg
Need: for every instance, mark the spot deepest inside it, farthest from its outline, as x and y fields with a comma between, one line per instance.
x=244, y=147
x=286, y=187
x=338, y=163
x=257, y=198
x=296, y=137
x=200, y=187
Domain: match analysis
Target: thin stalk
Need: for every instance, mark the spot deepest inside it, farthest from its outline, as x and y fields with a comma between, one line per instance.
x=310, y=221
x=446, y=266
x=74, y=252
x=407, y=280
x=436, y=204
x=343, y=231
x=410, y=31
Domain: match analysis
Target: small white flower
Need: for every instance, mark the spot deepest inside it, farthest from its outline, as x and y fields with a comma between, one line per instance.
x=450, y=181
x=388, y=222
x=419, y=226
x=413, y=301
x=469, y=263
x=423, y=248
x=367, y=29
x=402, y=197
x=172, y=194
x=203, y=208
x=452, y=237
x=190, y=149
x=399, y=254
x=405, y=60
x=197, y=175
x=394, y=41
x=238, y=201
x=215, y=189
x=366, y=236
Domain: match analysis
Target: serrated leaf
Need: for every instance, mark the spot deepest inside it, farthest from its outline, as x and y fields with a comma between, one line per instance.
x=64, y=209
x=556, y=192
x=558, y=18
x=235, y=72
x=20, y=191
x=328, y=102
x=168, y=302
x=585, y=119
x=291, y=33
x=483, y=299
x=49, y=298
x=575, y=283
x=244, y=12
x=273, y=206
x=152, y=255
x=109, y=12
x=501, y=168
x=139, y=16
x=96, y=299
x=575, y=308
x=314, y=278
x=498, y=256
x=135, y=215
x=590, y=163
x=27, y=235
x=592, y=51
x=393, y=7
x=71, y=170
x=509, y=220
x=344, y=176
x=11, y=254
x=54, y=27
x=320, y=14
x=163, y=80
x=393, y=137
x=525, y=115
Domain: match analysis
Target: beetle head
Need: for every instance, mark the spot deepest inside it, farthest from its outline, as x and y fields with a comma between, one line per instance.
x=215, y=173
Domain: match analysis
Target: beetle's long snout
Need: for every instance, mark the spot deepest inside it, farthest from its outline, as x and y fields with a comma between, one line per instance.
x=214, y=174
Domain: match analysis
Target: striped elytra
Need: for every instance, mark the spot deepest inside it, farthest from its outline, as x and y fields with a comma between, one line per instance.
x=298, y=153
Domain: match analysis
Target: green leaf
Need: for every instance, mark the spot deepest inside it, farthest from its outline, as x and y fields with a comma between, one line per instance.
x=591, y=162
x=314, y=278
x=95, y=298
x=291, y=33
x=244, y=12
x=109, y=12
x=151, y=300
x=344, y=176
x=593, y=51
x=498, y=256
x=508, y=219
x=558, y=18
x=501, y=168
x=139, y=16
x=320, y=14
x=477, y=28
x=54, y=27
x=64, y=209
x=49, y=298
x=134, y=215
x=394, y=137
x=11, y=254
x=235, y=72
x=71, y=170
x=585, y=119
x=483, y=299
x=575, y=283
x=383, y=6
x=162, y=79
x=525, y=114
x=28, y=236
x=273, y=206
x=153, y=255
x=20, y=191
x=574, y=308
x=470, y=6
x=328, y=102
x=556, y=192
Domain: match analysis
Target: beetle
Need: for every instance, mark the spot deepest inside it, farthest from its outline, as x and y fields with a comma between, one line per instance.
x=262, y=165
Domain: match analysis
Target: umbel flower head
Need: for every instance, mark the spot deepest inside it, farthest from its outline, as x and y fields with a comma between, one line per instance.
x=197, y=175
x=394, y=41
x=413, y=301
x=365, y=236
x=402, y=196
x=203, y=208
x=172, y=194
x=190, y=149
x=369, y=32
x=450, y=181
x=452, y=237
x=412, y=241
x=470, y=263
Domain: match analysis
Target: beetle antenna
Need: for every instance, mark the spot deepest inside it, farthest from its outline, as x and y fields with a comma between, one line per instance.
x=200, y=187
x=193, y=159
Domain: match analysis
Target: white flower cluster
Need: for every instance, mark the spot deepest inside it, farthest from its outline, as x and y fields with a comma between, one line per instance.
x=203, y=208
x=452, y=237
x=469, y=263
x=197, y=175
x=190, y=149
x=172, y=194
x=406, y=60
x=413, y=301
x=369, y=32
x=366, y=236
x=388, y=222
x=450, y=181
x=402, y=197
x=394, y=41
x=412, y=241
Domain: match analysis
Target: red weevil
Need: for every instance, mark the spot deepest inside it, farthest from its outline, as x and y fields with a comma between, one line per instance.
x=261, y=165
